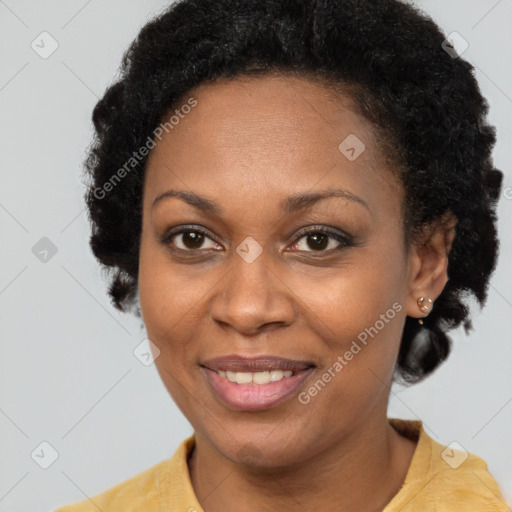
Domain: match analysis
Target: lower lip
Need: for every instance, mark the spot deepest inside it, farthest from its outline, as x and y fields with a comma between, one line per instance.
x=255, y=396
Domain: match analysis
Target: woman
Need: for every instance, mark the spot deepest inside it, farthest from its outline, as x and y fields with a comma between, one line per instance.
x=296, y=195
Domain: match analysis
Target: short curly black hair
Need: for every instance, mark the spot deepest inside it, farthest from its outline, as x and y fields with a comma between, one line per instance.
x=424, y=101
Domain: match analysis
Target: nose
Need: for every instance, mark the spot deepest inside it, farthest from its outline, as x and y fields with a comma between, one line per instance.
x=252, y=298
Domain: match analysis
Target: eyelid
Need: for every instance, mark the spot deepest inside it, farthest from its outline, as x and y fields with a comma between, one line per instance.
x=324, y=228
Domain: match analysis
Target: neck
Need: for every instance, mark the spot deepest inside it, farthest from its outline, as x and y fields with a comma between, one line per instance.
x=362, y=471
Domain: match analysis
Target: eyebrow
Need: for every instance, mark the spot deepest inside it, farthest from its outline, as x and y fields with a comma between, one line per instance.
x=292, y=204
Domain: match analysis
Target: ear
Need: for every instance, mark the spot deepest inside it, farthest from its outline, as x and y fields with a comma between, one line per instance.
x=428, y=263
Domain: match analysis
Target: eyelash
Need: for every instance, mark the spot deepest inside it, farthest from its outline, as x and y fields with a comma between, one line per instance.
x=344, y=240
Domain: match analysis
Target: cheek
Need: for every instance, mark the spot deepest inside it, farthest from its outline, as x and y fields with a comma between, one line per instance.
x=367, y=289
x=358, y=313
x=169, y=308
x=166, y=310
x=170, y=302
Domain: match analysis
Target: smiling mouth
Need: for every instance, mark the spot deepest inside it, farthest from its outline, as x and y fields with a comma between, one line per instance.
x=255, y=383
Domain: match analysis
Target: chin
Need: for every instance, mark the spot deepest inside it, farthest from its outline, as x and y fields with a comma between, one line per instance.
x=261, y=452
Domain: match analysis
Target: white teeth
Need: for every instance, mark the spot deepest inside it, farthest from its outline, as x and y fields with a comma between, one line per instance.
x=278, y=374
x=265, y=377
x=261, y=377
x=243, y=378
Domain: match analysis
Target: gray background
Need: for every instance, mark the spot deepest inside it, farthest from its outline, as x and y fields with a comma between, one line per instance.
x=68, y=373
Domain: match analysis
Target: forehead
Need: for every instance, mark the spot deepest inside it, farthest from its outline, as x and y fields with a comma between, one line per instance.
x=268, y=137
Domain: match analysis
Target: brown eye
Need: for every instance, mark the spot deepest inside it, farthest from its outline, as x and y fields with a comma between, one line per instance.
x=317, y=241
x=189, y=240
x=192, y=239
x=321, y=240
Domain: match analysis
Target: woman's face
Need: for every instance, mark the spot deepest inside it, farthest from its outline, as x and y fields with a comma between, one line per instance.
x=244, y=285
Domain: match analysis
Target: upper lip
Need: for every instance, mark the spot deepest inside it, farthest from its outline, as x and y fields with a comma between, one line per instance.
x=237, y=363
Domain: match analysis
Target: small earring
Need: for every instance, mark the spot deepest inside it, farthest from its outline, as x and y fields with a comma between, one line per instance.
x=423, y=307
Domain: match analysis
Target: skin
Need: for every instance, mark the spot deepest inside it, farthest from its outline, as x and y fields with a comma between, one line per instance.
x=248, y=145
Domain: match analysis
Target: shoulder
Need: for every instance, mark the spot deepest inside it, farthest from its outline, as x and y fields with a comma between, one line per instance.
x=136, y=493
x=463, y=478
x=444, y=478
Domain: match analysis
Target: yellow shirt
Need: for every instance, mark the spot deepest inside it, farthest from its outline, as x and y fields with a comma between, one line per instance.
x=439, y=479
